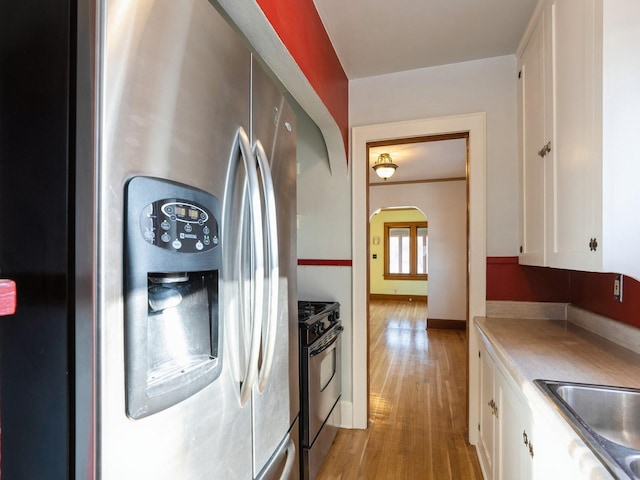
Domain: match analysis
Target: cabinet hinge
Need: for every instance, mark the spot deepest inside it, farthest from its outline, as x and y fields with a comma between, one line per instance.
x=478, y=426
x=479, y=354
x=593, y=244
x=520, y=74
x=521, y=249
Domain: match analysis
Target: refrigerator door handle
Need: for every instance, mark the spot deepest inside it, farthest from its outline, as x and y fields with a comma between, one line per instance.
x=271, y=227
x=291, y=457
x=255, y=209
x=271, y=469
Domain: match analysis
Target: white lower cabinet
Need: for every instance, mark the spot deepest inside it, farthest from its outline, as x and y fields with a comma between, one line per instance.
x=551, y=456
x=487, y=426
x=505, y=447
x=516, y=442
x=516, y=449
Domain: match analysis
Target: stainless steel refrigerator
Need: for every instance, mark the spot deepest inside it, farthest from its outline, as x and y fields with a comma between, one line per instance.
x=169, y=223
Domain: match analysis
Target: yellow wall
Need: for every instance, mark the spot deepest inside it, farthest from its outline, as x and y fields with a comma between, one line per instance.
x=378, y=284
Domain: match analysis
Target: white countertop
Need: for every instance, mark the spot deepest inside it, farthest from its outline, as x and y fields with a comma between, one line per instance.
x=559, y=350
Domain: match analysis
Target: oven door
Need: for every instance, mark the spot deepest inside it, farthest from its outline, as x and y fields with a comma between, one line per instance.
x=323, y=381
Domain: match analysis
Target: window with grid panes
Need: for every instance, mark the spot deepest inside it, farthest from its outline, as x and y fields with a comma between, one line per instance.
x=406, y=250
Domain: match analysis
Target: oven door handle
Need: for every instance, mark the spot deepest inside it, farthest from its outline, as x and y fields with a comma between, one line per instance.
x=326, y=346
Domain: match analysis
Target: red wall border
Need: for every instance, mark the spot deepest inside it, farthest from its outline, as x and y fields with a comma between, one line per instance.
x=509, y=281
x=324, y=263
x=300, y=28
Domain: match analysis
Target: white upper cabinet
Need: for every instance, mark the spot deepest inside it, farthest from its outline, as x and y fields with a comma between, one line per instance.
x=531, y=102
x=560, y=165
x=578, y=101
x=574, y=164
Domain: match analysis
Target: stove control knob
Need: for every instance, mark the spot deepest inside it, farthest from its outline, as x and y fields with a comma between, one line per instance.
x=317, y=328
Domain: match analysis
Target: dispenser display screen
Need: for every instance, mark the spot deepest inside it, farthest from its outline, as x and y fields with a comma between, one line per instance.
x=172, y=333
x=179, y=225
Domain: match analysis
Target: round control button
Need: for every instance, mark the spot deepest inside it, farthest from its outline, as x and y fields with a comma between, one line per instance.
x=205, y=230
x=215, y=240
x=168, y=209
x=188, y=228
x=165, y=237
x=203, y=215
x=173, y=218
x=199, y=245
x=200, y=222
x=165, y=225
x=177, y=244
x=149, y=235
x=206, y=240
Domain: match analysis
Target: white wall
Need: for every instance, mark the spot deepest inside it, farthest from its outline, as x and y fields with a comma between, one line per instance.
x=324, y=197
x=480, y=86
x=620, y=150
x=445, y=206
x=324, y=233
x=325, y=206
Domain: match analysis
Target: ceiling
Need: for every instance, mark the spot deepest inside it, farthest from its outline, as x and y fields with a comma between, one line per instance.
x=422, y=160
x=377, y=37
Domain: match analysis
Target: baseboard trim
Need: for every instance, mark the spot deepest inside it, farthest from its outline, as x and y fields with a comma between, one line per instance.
x=398, y=298
x=446, y=324
x=346, y=412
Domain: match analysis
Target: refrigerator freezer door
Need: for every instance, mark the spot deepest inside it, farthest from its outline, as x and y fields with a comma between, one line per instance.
x=173, y=88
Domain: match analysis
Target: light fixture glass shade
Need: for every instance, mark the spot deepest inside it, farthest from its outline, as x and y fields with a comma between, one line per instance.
x=384, y=166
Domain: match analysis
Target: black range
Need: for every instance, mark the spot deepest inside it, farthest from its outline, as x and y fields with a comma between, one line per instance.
x=320, y=382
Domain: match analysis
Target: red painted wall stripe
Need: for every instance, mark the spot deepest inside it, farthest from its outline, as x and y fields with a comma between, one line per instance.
x=509, y=281
x=298, y=25
x=324, y=263
x=506, y=280
x=501, y=260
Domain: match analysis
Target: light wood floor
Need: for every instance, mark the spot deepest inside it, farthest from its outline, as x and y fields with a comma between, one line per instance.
x=417, y=404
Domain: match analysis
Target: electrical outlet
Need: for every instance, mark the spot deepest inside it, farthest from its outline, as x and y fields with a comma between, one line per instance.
x=617, y=287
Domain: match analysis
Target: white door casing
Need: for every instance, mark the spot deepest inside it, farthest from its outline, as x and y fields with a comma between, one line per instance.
x=475, y=124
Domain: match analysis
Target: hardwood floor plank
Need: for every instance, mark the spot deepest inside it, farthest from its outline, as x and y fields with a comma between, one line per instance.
x=417, y=404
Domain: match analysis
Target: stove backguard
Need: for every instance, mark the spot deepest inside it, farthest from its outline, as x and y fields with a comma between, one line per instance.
x=172, y=268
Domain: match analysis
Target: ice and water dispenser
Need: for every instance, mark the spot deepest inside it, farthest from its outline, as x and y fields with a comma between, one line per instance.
x=172, y=265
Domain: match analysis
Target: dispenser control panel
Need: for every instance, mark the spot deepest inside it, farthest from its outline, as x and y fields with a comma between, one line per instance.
x=179, y=225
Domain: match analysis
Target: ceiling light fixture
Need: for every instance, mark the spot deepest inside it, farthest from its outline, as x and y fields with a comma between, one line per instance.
x=384, y=166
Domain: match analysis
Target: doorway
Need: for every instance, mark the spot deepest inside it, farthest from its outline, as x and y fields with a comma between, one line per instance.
x=474, y=125
x=398, y=254
x=431, y=174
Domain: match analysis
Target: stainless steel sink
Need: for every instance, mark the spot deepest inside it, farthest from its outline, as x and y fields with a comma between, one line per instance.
x=634, y=465
x=606, y=418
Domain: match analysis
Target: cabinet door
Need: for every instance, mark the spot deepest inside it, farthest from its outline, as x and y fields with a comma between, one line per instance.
x=531, y=105
x=514, y=422
x=486, y=437
x=552, y=452
x=572, y=167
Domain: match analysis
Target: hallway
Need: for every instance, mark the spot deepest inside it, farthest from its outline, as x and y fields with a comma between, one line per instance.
x=417, y=404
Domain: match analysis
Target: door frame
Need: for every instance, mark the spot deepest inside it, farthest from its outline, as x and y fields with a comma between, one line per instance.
x=475, y=124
